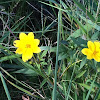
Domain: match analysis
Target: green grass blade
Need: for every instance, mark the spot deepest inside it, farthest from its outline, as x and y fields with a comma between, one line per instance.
x=9, y=57
x=20, y=88
x=13, y=29
x=91, y=87
x=97, y=94
x=69, y=87
x=5, y=87
x=4, y=37
x=83, y=8
x=13, y=77
x=5, y=2
x=56, y=66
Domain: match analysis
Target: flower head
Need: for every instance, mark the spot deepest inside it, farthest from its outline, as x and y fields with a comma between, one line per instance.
x=27, y=45
x=93, y=50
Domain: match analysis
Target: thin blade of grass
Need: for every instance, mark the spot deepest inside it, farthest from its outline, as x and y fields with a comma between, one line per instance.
x=23, y=21
x=56, y=66
x=97, y=94
x=5, y=87
x=69, y=87
x=91, y=87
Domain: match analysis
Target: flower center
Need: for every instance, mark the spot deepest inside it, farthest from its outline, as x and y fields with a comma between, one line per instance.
x=28, y=46
x=95, y=52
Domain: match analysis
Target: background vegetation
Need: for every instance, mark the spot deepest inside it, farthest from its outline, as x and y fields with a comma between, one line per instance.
x=63, y=27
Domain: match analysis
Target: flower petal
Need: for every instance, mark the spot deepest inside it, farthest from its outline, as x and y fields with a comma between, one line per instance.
x=36, y=50
x=31, y=35
x=16, y=43
x=97, y=58
x=91, y=45
x=27, y=54
x=89, y=56
x=87, y=52
x=97, y=45
x=22, y=36
x=19, y=51
x=36, y=42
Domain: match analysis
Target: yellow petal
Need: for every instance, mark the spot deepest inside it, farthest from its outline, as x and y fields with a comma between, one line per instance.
x=27, y=54
x=89, y=56
x=36, y=42
x=19, y=51
x=91, y=45
x=36, y=50
x=87, y=52
x=97, y=58
x=16, y=43
x=97, y=45
x=31, y=35
x=22, y=36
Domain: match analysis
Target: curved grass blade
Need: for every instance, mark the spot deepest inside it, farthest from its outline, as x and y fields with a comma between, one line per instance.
x=5, y=87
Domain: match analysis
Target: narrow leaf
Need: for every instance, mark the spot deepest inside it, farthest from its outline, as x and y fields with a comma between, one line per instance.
x=5, y=87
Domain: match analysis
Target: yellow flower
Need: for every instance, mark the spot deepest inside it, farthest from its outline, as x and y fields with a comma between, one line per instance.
x=27, y=45
x=93, y=50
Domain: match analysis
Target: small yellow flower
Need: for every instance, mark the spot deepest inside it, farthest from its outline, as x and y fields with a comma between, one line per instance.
x=93, y=50
x=27, y=45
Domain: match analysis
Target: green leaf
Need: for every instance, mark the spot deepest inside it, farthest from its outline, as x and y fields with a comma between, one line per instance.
x=86, y=86
x=44, y=63
x=95, y=36
x=27, y=72
x=3, y=65
x=80, y=74
x=83, y=63
x=80, y=32
x=43, y=54
x=43, y=82
x=38, y=66
x=9, y=57
x=49, y=70
x=62, y=56
x=79, y=41
x=93, y=25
